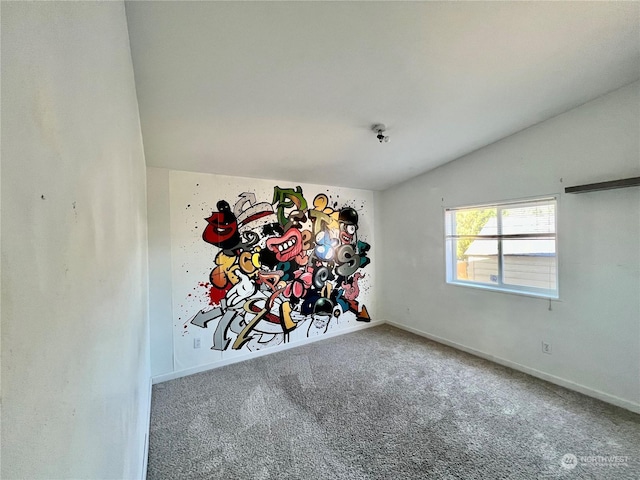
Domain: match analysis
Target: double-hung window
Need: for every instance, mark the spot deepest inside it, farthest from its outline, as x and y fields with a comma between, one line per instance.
x=505, y=246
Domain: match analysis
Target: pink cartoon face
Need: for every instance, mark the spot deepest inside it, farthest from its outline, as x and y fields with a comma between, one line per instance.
x=287, y=246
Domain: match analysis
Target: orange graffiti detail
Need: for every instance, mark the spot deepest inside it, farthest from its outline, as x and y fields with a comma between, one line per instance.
x=224, y=272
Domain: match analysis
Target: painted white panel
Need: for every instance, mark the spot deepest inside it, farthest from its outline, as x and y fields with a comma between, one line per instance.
x=160, y=307
x=194, y=198
x=75, y=367
x=594, y=328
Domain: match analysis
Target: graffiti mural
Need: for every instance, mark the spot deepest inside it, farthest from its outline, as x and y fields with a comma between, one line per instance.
x=280, y=266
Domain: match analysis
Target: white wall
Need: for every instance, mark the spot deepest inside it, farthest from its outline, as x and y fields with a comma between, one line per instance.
x=180, y=264
x=160, y=305
x=75, y=368
x=595, y=327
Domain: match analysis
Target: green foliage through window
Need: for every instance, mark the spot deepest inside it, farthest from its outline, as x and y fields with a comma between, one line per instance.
x=471, y=222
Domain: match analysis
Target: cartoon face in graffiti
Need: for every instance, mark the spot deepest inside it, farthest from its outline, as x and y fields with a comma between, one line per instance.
x=222, y=228
x=253, y=217
x=348, y=220
x=286, y=247
x=322, y=314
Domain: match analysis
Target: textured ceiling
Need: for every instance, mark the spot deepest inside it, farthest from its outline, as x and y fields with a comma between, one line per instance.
x=289, y=90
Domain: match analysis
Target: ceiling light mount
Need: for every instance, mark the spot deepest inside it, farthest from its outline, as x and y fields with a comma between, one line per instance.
x=380, y=128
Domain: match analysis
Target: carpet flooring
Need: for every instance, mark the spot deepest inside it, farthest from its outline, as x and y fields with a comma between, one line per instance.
x=382, y=403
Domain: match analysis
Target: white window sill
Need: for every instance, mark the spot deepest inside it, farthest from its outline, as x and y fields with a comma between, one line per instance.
x=513, y=291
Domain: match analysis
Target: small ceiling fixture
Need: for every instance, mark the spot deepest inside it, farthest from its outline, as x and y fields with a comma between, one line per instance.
x=380, y=128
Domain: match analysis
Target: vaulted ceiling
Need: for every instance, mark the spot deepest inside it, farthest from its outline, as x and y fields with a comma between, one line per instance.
x=289, y=90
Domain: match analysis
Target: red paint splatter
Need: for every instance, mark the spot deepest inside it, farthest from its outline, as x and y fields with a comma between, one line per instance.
x=214, y=294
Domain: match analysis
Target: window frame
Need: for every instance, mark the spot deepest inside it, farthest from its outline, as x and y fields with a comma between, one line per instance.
x=451, y=256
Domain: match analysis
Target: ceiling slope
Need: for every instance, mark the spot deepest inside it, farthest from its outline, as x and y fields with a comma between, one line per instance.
x=289, y=90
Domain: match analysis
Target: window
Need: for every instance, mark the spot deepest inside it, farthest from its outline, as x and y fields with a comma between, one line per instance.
x=508, y=247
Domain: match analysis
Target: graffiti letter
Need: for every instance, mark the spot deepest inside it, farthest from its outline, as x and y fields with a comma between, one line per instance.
x=319, y=219
x=320, y=277
x=348, y=261
x=323, y=216
x=223, y=273
x=246, y=263
x=244, y=337
x=288, y=198
x=220, y=340
x=202, y=318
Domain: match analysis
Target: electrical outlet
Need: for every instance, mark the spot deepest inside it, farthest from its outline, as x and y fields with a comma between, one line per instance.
x=196, y=343
x=546, y=347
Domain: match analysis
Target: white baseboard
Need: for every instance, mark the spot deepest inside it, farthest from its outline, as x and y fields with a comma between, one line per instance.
x=605, y=397
x=240, y=358
x=145, y=460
